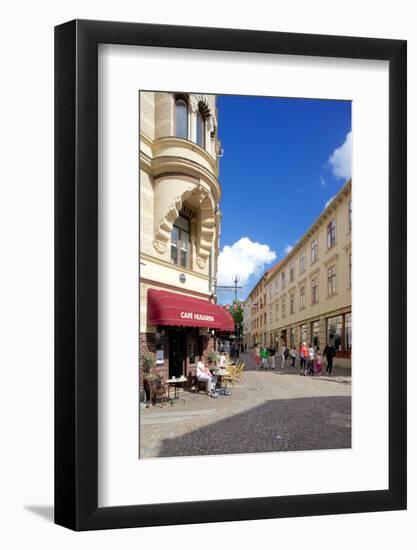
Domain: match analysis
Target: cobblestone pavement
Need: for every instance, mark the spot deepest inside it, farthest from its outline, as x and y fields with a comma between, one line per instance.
x=268, y=411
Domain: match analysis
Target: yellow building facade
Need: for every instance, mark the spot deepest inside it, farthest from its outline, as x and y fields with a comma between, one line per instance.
x=308, y=295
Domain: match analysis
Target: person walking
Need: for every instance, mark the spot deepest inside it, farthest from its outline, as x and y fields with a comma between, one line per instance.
x=257, y=355
x=271, y=352
x=264, y=358
x=283, y=352
x=310, y=369
x=329, y=352
x=293, y=354
x=303, y=359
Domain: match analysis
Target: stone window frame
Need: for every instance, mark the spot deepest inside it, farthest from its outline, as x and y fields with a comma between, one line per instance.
x=181, y=98
x=333, y=277
x=331, y=233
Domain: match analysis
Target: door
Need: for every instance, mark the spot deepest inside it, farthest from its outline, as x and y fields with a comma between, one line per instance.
x=177, y=339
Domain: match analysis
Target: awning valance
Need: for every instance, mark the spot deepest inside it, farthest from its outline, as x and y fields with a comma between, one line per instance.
x=168, y=308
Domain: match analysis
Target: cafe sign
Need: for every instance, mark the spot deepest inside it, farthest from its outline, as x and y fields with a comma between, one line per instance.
x=196, y=316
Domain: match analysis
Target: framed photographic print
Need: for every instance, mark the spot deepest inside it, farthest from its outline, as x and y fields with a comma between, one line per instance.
x=230, y=275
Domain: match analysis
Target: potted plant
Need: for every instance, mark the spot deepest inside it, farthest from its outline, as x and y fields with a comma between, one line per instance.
x=148, y=366
x=212, y=356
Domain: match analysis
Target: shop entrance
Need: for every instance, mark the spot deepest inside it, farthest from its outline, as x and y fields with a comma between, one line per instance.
x=284, y=337
x=177, y=341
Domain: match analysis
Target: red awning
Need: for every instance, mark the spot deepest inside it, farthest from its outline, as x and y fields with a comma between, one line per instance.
x=168, y=308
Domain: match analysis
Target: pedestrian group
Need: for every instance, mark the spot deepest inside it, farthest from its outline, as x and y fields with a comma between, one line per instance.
x=309, y=357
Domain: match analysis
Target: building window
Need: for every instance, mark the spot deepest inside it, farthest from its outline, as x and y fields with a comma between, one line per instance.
x=350, y=270
x=283, y=309
x=350, y=215
x=304, y=334
x=314, y=250
x=270, y=313
x=348, y=331
x=292, y=303
x=314, y=290
x=270, y=290
x=331, y=280
x=276, y=311
x=181, y=118
x=292, y=273
x=276, y=285
x=302, y=297
x=282, y=280
x=331, y=233
x=315, y=334
x=264, y=318
x=334, y=331
x=292, y=337
x=303, y=261
x=201, y=129
x=180, y=241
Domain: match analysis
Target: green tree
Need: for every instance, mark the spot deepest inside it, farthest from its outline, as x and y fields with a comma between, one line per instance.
x=236, y=311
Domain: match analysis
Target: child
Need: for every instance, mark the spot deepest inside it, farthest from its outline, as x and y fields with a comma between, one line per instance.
x=319, y=363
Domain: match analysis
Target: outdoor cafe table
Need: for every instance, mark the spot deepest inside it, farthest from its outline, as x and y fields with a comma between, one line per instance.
x=175, y=382
x=222, y=373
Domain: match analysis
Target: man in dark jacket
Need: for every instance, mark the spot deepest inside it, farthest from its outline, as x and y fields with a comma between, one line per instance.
x=329, y=352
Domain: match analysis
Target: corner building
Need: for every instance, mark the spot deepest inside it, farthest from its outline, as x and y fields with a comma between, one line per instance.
x=179, y=230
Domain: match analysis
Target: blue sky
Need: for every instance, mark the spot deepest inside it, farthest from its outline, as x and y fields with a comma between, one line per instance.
x=283, y=159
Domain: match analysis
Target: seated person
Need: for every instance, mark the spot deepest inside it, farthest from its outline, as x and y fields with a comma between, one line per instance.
x=203, y=373
x=222, y=360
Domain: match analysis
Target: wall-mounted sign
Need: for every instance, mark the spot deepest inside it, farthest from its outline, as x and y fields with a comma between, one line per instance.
x=182, y=278
x=160, y=356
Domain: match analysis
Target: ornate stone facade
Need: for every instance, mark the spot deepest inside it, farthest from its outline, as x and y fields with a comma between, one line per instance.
x=179, y=195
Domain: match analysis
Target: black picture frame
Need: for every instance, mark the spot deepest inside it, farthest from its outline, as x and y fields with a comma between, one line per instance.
x=76, y=272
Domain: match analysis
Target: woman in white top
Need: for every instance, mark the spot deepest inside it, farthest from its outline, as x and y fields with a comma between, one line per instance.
x=203, y=373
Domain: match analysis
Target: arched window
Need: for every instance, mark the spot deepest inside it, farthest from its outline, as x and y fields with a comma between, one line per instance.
x=181, y=118
x=201, y=129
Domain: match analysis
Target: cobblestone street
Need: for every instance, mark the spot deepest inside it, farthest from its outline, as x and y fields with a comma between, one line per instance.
x=268, y=411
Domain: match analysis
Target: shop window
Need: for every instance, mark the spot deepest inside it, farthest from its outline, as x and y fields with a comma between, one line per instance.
x=348, y=331
x=292, y=337
x=180, y=241
x=334, y=331
x=181, y=118
x=315, y=334
x=304, y=333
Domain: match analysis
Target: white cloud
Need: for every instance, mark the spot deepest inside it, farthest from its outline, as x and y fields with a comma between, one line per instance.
x=323, y=181
x=288, y=249
x=341, y=159
x=329, y=201
x=243, y=258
